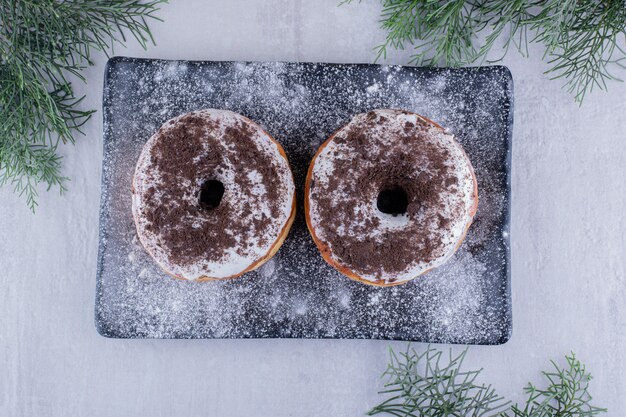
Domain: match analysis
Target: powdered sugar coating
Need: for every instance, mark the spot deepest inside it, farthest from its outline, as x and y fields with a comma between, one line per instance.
x=297, y=294
x=250, y=245
x=383, y=141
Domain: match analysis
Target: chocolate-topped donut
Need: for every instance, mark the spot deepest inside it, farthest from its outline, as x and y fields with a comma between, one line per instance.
x=389, y=197
x=213, y=195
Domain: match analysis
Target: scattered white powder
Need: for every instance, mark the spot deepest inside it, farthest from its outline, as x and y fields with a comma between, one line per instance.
x=374, y=88
x=296, y=294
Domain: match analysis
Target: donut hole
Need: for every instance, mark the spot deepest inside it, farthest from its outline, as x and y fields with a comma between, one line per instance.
x=211, y=192
x=392, y=201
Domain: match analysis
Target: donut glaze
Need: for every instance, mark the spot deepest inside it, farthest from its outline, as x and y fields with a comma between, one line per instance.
x=195, y=240
x=377, y=153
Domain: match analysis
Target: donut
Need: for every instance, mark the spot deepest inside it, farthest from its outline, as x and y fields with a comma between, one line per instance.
x=213, y=196
x=389, y=196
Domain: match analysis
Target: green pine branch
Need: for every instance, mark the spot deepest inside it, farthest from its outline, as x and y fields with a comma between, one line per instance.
x=42, y=44
x=584, y=40
x=433, y=384
x=566, y=394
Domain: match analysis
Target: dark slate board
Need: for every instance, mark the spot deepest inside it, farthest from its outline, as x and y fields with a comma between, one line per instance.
x=296, y=294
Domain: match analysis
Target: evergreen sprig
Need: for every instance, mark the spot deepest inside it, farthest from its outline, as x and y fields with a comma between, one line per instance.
x=566, y=394
x=433, y=384
x=584, y=40
x=426, y=384
x=43, y=45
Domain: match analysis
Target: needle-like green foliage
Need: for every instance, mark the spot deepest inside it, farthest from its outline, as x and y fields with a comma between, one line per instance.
x=429, y=384
x=433, y=384
x=566, y=394
x=43, y=44
x=584, y=40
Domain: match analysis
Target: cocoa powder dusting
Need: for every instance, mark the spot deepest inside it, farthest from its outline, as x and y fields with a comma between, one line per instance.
x=417, y=166
x=194, y=151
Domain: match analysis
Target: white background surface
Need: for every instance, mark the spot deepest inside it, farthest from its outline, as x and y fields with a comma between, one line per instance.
x=568, y=243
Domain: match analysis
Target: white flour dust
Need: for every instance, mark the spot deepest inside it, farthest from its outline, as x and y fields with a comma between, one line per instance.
x=297, y=294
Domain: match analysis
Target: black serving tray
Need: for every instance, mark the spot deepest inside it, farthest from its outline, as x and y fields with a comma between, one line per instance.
x=296, y=294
